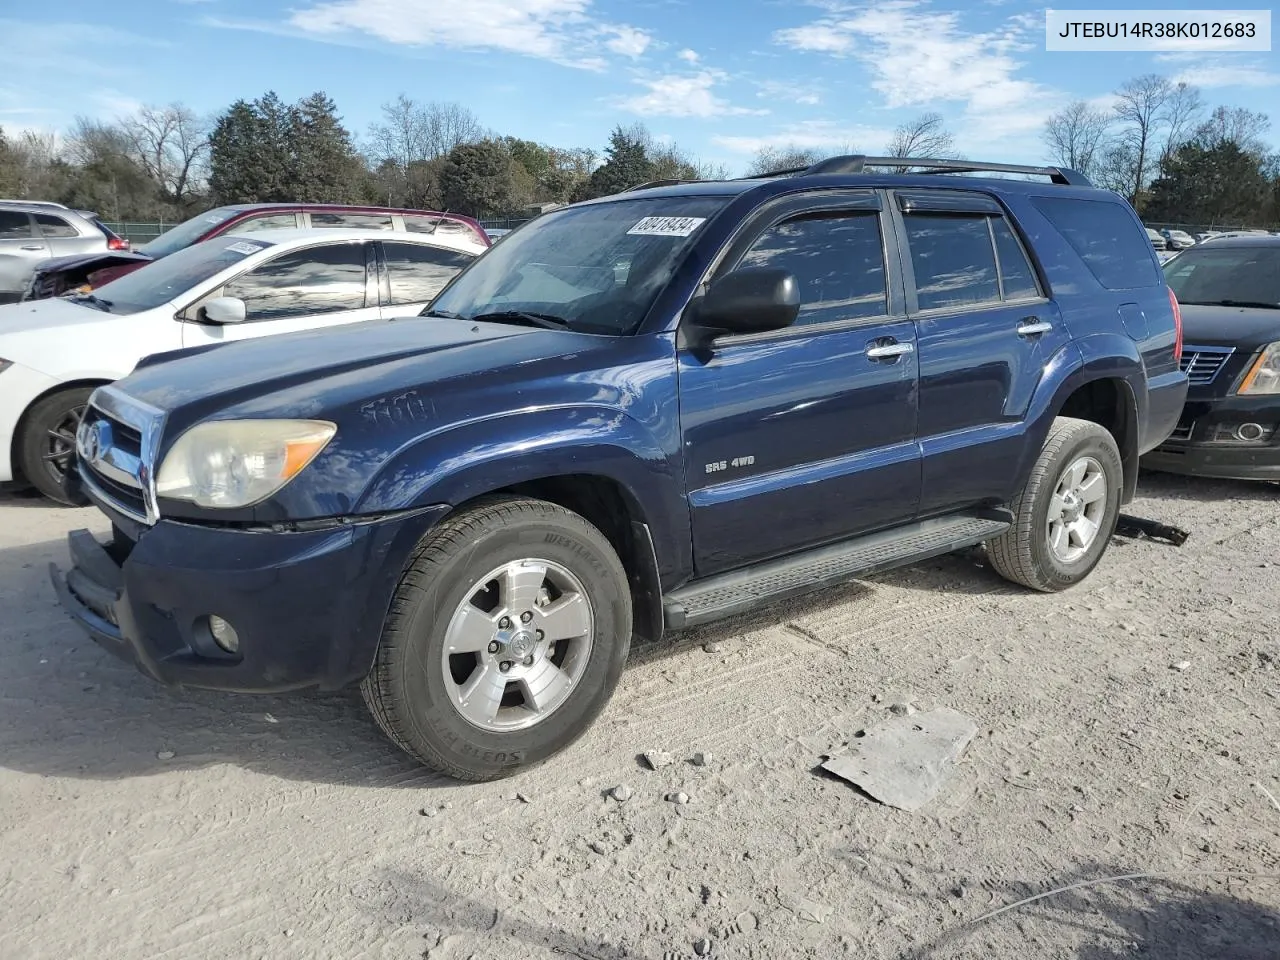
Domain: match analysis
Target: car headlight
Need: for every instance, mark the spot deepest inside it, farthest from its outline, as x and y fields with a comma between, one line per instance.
x=236, y=463
x=1264, y=375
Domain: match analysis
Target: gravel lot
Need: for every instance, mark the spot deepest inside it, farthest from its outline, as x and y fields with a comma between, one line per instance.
x=139, y=822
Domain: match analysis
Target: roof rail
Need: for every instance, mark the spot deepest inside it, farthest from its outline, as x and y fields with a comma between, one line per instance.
x=857, y=163
x=652, y=184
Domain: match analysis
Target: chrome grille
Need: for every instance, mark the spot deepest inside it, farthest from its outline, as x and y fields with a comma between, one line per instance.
x=1202, y=364
x=116, y=446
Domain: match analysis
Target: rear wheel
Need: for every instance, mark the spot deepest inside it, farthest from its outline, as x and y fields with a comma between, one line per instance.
x=1065, y=515
x=48, y=440
x=505, y=639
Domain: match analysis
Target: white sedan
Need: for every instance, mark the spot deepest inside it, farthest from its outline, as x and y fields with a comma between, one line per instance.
x=54, y=353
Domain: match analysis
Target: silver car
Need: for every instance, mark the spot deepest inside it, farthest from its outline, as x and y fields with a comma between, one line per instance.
x=34, y=231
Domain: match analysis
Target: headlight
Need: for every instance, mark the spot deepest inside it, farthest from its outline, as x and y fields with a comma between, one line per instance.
x=237, y=463
x=1264, y=376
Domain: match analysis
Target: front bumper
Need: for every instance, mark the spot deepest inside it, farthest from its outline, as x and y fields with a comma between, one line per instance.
x=1196, y=450
x=308, y=606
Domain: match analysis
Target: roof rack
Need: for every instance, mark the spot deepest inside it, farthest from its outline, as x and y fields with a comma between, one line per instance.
x=857, y=163
x=652, y=184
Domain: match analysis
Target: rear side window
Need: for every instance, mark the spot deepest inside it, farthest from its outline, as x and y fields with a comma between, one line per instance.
x=355, y=221
x=14, y=226
x=837, y=259
x=1018, y=280
x=55, y=227
x=1106, y=237
x=416, y=223
x=418, y=272
x=953, y=260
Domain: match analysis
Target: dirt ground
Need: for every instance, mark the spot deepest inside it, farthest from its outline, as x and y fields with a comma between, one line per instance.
x=139, y=822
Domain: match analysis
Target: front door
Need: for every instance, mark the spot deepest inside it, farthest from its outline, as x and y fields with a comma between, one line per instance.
x=986, y=333
x=805, y=435
x=320, y=286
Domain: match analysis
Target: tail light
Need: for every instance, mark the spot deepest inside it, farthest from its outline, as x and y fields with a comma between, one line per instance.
x=1177, y=327
x=117, y=243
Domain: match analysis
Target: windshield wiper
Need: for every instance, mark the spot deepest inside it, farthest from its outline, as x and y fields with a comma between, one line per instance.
x=443, y=314
x=545, y=320
x=91, y=298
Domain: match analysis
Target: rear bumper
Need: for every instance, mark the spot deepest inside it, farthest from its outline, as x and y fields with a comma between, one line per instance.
x=1195, y=448
x=308, y=607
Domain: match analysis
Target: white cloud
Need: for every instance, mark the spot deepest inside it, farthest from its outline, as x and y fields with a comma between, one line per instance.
x=683, y=95
x=922, y=58
x=689, y=56
x=811, y=135
x=789, y=91
x=1219, y=73
x=628, y=41
x=563, y=31
x=113, y=103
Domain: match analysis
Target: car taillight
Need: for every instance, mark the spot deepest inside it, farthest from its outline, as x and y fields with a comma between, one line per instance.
x=117, y=243
x=1177, y=327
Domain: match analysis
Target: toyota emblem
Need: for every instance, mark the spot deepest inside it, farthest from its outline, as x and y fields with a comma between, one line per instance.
x=94, y=439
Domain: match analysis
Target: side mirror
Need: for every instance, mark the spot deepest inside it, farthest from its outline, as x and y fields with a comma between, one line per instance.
x=752, y=300
x=223, y=310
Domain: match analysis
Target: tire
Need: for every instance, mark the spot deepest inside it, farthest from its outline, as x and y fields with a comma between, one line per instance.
x=1035, y=553
x=37, y=444
x=419, y=697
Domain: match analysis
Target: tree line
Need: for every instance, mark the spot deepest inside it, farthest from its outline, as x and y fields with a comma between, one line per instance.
x=1156, y=144
x=1159, y=145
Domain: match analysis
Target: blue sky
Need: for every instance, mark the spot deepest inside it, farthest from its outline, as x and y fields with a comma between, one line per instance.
x=720, y=77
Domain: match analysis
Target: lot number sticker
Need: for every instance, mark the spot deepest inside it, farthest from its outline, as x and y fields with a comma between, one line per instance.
x=245, y=247
x=667, y=226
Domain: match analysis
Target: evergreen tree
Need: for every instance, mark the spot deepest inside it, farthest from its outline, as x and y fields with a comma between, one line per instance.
x=476, y=179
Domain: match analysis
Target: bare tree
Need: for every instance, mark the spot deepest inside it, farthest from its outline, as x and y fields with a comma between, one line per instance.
x=412, y=132
x=172, y=144
x=923, y=137
x=1236, y=125
x=771, y=159
x=1075, y=137
x=1181, y=111
x=1140, y=106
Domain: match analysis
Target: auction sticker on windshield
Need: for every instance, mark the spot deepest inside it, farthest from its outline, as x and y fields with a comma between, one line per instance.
x=246, y=247
x=667, y=226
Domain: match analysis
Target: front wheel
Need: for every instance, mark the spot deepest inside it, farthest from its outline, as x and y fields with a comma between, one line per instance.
x=505, y=639
x=1066, y=513
x=48, y=440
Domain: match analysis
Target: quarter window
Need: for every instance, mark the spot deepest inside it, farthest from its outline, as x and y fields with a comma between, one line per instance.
x=953, y=260
x=320, y=280
x=55, y=227
x=1107, y=237
x=837, y=259
x=1016, y=275
x=418, y=272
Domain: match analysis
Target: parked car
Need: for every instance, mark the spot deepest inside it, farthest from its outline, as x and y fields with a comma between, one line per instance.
x=235, y=287
x=1157, y=241
x=1230, y=295
x=1178, y=239
x=84, y=274
x=32, y=232
x=794, y=380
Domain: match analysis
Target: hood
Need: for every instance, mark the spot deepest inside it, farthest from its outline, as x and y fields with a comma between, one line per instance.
x=307, y=373
x=39, y=315
x=92, y=261
x=1243, y=327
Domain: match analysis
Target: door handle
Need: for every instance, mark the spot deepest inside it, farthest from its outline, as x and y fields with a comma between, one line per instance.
x=32, y=246
x=1033, y=326
x=886, y=350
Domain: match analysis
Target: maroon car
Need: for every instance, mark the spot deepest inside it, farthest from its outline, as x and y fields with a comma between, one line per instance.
x=85, y=272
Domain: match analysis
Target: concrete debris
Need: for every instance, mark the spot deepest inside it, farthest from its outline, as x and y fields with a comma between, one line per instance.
x=657, y=759
x=680, y=799
x=523, y=798
x=700, y=759
x=901, y=709
x=905, y=761
x=715, y=646
x=1182, y=665
x=621, y=793
x=702, y=947
x=164, y=755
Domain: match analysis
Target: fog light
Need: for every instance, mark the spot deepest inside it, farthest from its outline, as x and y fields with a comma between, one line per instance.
x=224, y=635
x=1250, y=432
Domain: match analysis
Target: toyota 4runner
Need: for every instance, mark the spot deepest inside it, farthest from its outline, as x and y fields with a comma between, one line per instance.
x=635, y=414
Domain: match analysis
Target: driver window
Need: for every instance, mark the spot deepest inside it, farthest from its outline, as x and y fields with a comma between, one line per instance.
x=318, y=280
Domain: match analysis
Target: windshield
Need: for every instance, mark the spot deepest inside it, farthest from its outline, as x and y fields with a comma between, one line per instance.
x=595, y=268
x=186, y=233
x=164, y=280
x=1216, y=274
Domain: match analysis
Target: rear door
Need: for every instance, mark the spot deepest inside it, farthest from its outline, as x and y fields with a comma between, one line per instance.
x=66, y=237
x=321, y=286
x=413, y=273
x=21, y=248
x=804, y=435
x=986, y=332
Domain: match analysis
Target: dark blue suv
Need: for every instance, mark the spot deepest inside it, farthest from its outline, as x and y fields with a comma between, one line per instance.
x=635, y=414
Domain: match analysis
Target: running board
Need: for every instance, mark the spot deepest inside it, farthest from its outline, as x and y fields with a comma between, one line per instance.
x=742, y=590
